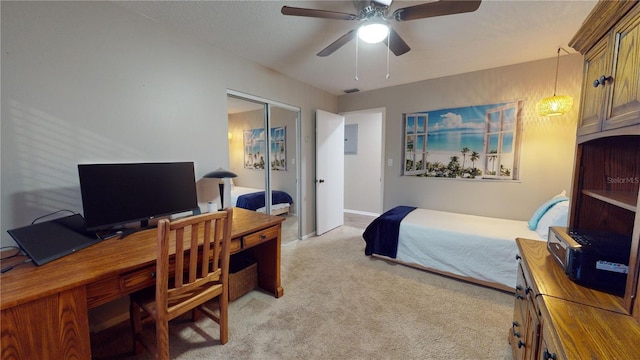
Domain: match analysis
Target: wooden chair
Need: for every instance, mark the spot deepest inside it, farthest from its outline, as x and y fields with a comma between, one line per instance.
x=195, y=280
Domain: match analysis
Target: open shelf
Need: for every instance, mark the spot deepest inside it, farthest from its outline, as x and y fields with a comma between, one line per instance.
x=624, y=199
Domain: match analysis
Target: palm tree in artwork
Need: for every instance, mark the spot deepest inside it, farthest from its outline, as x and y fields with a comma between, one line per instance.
x=464, y=152
x=474, y=157
x=454, y=165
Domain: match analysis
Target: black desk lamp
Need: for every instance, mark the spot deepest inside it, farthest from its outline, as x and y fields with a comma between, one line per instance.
x=221, y=174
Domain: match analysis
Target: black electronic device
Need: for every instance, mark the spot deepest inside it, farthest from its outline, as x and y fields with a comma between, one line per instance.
x=592, y=258
x=46, y=241
x=123, y=193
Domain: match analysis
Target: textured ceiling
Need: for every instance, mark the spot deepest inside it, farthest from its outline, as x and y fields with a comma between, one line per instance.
x=499, y=33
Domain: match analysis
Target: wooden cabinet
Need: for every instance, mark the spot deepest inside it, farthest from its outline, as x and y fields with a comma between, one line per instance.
x=565, y=320
x=611, y=82
x=546, y=348
x=561, y=319
x=521, y=327
x=623, y=104
x=592, y=102
x=528, y=338
x=51, y=327
x=607, y=167
x=605, y=195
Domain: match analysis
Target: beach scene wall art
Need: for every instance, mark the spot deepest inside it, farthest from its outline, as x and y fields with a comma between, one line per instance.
x=473, y=142
x=255, y=148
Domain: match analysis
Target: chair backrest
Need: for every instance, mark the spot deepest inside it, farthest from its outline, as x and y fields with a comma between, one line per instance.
x=192, y=267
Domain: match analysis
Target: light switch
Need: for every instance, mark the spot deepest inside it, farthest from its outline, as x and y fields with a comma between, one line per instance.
x=389, y=162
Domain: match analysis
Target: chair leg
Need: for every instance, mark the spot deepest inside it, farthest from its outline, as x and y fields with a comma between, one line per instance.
x=224, y=318
x=195, y=315
x=162, y=339
x=136, y=327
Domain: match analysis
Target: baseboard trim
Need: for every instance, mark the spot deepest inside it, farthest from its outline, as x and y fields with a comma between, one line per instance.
x=358, y=212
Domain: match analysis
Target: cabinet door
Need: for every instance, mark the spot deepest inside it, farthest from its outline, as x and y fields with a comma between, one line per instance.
x=624, y=103
x=595, y=66
x=547, y=349
x=533, y=331
x=49, y=328
x=518, y=332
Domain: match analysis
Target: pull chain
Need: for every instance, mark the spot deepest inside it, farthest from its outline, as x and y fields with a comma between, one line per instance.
x=388, y=46
x=357, y=42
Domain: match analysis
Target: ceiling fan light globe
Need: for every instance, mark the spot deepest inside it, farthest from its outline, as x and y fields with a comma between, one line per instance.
x=373, y=33
x=383, y=2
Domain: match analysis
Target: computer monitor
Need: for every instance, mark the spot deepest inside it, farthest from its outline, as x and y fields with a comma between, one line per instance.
x=123, y=193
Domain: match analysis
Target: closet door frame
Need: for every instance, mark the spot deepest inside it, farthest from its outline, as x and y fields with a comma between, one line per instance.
x=268, y=104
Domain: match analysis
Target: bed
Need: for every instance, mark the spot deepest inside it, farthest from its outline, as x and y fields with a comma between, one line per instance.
x=473, y=248
x=253, y=199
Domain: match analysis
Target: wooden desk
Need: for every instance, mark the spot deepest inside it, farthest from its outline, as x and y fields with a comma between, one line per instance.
x=44, y=308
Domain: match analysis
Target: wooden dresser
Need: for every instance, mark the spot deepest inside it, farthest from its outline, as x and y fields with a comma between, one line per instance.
x=555, y=318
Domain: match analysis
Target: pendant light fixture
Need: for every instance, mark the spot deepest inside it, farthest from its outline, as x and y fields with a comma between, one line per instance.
x=557, y=104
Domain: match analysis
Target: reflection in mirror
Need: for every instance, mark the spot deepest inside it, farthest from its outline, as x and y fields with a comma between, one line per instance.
x=264, y=159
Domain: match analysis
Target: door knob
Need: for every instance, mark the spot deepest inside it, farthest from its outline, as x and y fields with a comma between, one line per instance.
x=321, y=181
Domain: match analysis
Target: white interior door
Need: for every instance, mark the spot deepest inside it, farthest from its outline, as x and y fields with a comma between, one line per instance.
x=329, y=171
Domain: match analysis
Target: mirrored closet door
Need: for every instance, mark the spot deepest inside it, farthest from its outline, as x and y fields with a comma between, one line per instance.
x=263, y=152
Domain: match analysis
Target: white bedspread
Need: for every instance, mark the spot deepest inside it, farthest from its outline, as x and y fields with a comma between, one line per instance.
x=482, y=248
x=236, y=191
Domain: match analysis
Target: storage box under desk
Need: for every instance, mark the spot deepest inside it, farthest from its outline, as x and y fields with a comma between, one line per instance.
x=243, y=277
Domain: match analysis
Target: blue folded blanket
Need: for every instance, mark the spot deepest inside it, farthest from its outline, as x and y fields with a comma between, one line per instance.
x=381, y=235
x=255, y=201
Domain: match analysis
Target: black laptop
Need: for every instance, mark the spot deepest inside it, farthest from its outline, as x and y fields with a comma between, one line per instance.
x=46, y=241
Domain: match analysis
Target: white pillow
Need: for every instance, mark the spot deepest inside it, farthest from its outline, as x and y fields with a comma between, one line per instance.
x=557, y=215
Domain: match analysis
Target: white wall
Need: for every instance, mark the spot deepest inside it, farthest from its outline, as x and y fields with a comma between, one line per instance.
x=93, y=82
x=362, y=171
x=548, y=144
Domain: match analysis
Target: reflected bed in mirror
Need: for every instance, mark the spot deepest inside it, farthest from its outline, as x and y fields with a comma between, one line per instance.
x=254, y=199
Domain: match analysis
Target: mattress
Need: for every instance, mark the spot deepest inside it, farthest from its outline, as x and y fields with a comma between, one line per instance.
x=237, y=191
x=477, y=247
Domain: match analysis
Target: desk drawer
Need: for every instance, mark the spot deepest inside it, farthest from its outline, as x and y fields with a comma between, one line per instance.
x=137, y=280
x=235, y=245
x=103, y=291
x=260, y=236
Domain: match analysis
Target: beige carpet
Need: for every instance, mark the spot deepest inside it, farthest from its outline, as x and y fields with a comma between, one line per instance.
x=340, y=304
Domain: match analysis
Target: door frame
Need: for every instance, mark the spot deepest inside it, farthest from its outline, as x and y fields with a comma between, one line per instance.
x=298, y=135
x=382, y=111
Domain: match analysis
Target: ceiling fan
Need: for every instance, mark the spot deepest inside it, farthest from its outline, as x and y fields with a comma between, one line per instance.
x=377, y=12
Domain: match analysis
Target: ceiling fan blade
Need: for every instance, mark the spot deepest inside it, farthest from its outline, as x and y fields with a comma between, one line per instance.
x=432, y=9
x=395, y=43
x=324, y=14
x=338, y=43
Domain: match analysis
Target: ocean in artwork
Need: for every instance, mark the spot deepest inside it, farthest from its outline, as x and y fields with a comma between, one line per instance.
x=455, y=141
